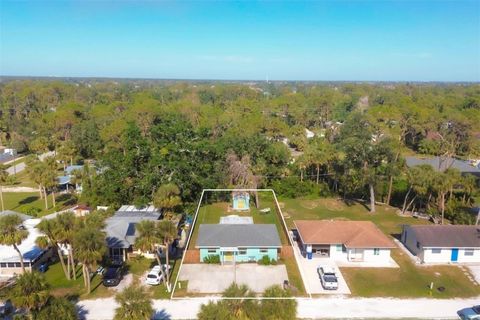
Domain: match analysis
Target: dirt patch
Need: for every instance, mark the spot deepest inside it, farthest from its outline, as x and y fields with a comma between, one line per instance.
x=330, y=204
x=281, y=205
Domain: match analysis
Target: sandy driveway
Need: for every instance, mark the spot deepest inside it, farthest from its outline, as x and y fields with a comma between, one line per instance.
x=318, y=308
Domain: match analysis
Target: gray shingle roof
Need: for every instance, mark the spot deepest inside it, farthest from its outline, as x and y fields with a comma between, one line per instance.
x=238, y=235
x=447, y=236
x=120, y=228
x=461, y=165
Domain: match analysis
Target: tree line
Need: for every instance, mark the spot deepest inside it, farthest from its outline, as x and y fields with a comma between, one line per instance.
x=143, y=135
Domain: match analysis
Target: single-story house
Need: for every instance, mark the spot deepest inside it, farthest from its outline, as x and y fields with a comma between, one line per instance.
x=443, y=243
x=81, y=210
x=442, y=164
x=238, y=242
x=360, y=241
x=121, y=232
x=33, y=256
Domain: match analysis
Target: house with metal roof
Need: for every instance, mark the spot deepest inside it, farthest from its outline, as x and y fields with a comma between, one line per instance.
x=443, y=243
x=352, y=241
x=33, y=256
x=238, y=242
x=121, y=232
x=442, y=164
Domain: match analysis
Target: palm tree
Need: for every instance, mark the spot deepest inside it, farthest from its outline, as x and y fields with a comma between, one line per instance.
x=66, y=231
x=12, y=235
x=3, y=179
x=31, y=292
x=89, y=247
x=58, y=231
x=51, y=238
x=66, y=152
x=319, y=154
x=35, y=170
x=441, y=185
x=135, y=304
x=168, y=198
x=57, y=308
x=50, y=177
x=285, y=308
x=148, y=238
x=168, y=232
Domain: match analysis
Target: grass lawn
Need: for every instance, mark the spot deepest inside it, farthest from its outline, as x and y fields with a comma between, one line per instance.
x=61, y=286
x=25, y=201
x=407, y=281
x=305, y=209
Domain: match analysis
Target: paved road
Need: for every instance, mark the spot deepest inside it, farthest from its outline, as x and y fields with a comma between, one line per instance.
x=318, y=308
x=19, y=167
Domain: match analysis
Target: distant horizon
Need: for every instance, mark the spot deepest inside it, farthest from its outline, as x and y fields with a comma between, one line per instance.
x=227, y=80
x=349, y=40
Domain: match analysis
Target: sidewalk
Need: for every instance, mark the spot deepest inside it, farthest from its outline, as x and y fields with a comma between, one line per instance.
x=317, y=308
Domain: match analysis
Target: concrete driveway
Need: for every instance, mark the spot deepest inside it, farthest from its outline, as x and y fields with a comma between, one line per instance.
x=311, y=279
x=209, y=278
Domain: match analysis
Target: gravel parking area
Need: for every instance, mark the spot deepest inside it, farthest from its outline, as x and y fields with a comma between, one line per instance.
x=208, y=278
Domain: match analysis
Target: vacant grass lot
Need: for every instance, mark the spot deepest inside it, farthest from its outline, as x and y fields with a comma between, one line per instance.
x=26, y=201
x=407, y=281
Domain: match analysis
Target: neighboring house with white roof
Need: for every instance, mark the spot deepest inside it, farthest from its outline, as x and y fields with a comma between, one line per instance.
x=33, y=256
x=443, y=243
x=121, y=232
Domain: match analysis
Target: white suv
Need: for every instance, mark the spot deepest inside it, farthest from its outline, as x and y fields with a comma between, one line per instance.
x=328, y=278
x=155, y=276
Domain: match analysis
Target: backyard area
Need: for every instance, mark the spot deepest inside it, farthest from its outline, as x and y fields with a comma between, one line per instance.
x=409, y=280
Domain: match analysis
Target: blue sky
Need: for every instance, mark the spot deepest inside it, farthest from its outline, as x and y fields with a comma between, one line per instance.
x=315, y=40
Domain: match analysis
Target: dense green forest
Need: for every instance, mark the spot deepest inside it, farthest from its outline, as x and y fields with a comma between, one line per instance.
x=144, y=134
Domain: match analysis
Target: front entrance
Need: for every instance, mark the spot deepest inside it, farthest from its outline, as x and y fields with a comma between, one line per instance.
x=355, y=255
x=454, y=257
x=227, y=255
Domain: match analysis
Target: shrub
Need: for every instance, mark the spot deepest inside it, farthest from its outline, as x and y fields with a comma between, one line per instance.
x=31, y=211
x=292, y=187
x=266, y=261
x=212, y=259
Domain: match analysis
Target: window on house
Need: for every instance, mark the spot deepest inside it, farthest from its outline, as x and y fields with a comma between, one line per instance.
x=263, y=250
x=436, y=251
x=242, y=251
x=11, y=264
x=212, y=250
x=376, y=251
x=418, y=245
x=3, y=265
x=469, y=252
x=339, y=248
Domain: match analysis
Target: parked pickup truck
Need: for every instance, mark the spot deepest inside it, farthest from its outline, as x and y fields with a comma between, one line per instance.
x=328, y=278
